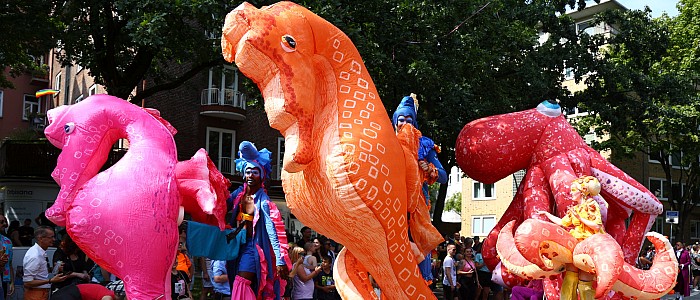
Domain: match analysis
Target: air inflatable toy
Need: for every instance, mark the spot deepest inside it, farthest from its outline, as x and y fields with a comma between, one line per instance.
x=126, y=218
x=344, y=168
x=542, y=142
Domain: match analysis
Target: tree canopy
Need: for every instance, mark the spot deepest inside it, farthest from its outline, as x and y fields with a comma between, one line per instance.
x=643, y=92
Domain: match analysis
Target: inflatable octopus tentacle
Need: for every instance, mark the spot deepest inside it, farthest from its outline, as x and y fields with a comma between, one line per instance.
x=653, y=283
x=513, y=260
x=599, y=254
x=632, y=194
x=347, y=273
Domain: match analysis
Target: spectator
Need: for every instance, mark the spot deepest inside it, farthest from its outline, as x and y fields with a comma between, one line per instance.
x=324, y=283
x=8, y=272
x=305, y=237
x=467, y=276
x=328, y=250
x=184, y=263
x=449, y=282
x=484, y=277
x=36, y=267
x=26, y=233
x=304, y=274
x=13, y=233
x=179, y=283
x=220, y=281
x=645, y=260
x=477, y=245
x=695, y=267
x=71, y=261
x=207, y=281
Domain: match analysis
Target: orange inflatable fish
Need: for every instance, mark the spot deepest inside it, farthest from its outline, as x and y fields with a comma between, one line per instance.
x=345, y=173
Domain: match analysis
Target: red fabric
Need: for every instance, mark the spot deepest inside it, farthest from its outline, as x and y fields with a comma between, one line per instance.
x=92, y=291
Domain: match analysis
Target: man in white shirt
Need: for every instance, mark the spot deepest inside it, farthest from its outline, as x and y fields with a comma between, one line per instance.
x=36, y=266
x=449, y=282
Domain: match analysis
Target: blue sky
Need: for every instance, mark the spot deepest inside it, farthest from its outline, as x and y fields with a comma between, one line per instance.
x=658, y=7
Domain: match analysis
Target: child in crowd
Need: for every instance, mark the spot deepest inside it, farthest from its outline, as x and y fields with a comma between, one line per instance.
x=324, y=283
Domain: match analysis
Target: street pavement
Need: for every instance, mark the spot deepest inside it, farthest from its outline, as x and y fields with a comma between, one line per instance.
x=693, y=295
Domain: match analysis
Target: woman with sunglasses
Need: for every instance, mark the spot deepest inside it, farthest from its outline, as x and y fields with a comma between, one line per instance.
x=466, y=276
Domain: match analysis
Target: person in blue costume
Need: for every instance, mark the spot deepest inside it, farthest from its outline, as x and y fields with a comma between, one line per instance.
x=263, y=260
x=406, y=113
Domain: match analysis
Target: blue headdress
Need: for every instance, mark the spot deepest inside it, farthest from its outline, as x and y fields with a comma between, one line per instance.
x=407, y=107
x=250, y=157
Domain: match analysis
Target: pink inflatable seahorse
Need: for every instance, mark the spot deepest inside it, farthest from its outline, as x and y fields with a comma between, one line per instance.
x=125, y=218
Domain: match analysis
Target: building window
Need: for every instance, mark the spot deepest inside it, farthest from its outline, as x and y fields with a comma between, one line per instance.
x=31, y=107
x=658, y=225
x=483, y=191
x=482, y=225
x=2, y=95
x=220, y=146
x=80, y=98
x=280, y=157
x=517, y=179
x=658, y=188
x=57, y=82
x=695, y=230
x=673, y=158
x=569, y=73
x=223, y=88
x=92, y=90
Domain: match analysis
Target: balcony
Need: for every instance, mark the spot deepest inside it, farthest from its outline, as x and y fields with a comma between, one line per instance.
x=223, y=103
x=37, y=159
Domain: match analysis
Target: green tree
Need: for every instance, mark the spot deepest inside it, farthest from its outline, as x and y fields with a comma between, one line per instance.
x=28, y=32
x=124, y=42
x=643, y=95
x=454, y=203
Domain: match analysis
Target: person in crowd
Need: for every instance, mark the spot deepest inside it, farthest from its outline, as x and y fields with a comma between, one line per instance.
x=71, y=261
x=301, y=275
x=8, y=272
x=207, y=282
x=324, y=282
x=644, y=261
x=86, y=291
x=13, y=233
x=329, y=250
x=184, y=263
x=179, y=283
x=428, y=163
x=484, y=276
x=305, y=237
x=458, y=242
x=682, y=288
x=220, y=281
x=296, y=255
x=468, y=243
x=477, y=245
x=254, y=211
x=36, y=267
x=695, y=266
x=449, y=282
x=467, y=276
x=533, y=291
x=26, y=233
x=318, y=252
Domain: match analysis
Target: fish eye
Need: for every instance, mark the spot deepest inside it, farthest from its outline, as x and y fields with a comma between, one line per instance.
x=69, y=127
x=288, y=43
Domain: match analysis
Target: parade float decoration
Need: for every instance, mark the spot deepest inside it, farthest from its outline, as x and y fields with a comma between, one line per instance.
x=344, y=168
x=126, y=217
x=526, y=244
